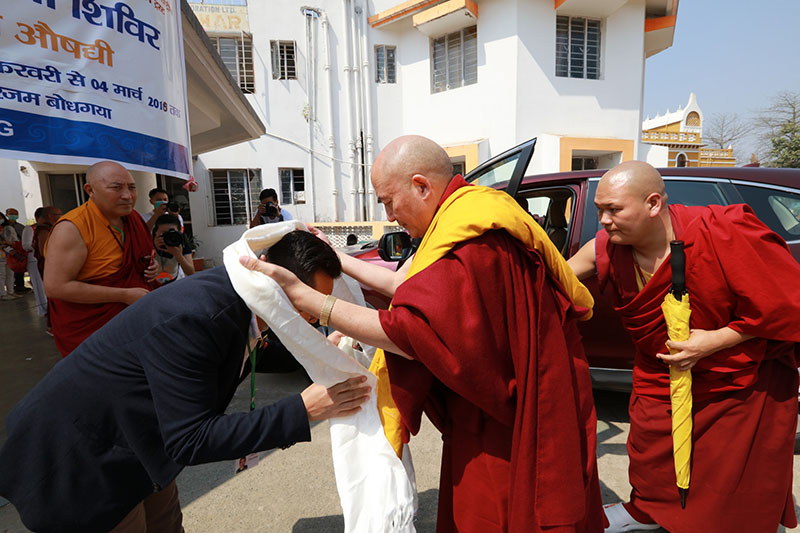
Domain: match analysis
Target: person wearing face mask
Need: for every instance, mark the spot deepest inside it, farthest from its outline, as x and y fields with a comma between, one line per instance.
x=19, y=277
x=172, y=258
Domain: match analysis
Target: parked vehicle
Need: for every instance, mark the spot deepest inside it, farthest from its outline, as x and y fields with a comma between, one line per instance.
x=564, y=204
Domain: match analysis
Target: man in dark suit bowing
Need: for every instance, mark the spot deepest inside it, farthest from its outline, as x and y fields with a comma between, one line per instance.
x=97, y=444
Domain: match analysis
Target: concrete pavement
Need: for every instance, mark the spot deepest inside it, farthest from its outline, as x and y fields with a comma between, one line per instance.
x=290, y=490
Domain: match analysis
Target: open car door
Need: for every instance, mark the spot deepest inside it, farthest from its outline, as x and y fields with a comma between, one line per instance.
x=508, y=167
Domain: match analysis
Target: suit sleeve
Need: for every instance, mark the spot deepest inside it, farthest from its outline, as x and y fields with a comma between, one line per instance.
x=183, y=360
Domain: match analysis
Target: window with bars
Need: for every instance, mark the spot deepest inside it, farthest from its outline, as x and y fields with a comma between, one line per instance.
x=385, y=68
x=283, y=60
x=454, y=60
x=235, y=195
x=293, y=186
x=237, y=54
x=577, y=47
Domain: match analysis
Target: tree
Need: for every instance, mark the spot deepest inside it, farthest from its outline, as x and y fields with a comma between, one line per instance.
x=723, y=130
x=779, y=126
x=785, y=152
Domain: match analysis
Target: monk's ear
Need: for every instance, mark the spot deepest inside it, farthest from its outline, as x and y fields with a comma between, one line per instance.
x=654, y=203
x=422, y=185
x=87, y=187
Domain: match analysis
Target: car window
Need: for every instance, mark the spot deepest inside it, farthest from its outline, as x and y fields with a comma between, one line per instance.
x=497, y=173
x=552, y=209
x=694, y=192
x=684, y=192
x=778, y=209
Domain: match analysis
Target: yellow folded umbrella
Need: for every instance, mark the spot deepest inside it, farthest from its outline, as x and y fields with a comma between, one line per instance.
x=676, y=314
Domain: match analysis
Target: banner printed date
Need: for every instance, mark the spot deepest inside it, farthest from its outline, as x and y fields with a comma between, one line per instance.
x=163, y=106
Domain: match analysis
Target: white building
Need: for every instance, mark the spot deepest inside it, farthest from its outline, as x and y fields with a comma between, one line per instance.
x=336, y=80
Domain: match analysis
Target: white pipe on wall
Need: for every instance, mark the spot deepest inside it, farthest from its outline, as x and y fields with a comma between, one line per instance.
x=310, y=14
x=348, y=109
x=353, y=15
x=332, y=130
x=366, y=80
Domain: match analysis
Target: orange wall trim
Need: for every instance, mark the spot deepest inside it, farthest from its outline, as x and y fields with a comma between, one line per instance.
x=401, y=10
x=468, y=151
x=569, y=144
x=559, y=2
x=659, y=23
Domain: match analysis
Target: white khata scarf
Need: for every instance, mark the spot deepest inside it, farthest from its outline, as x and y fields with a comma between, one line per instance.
x=376, y=489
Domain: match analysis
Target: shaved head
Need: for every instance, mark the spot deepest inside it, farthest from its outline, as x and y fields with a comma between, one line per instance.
x=410, y=176
x=636, y=178
x=103, y=171
x=112, y=189
x=414, y=154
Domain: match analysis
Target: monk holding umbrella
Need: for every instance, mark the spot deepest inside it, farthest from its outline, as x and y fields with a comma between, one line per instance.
x=742, y=351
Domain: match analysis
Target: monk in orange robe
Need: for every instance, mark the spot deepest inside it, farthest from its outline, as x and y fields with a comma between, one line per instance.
x=742, y=350
x=96, y=256
x=482, y=337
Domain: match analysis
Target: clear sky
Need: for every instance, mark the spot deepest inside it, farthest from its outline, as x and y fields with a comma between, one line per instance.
x=734, y=55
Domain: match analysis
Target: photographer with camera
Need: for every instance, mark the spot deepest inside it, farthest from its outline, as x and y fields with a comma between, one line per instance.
x=161, y=206
x=269, y=210
x=172, y=257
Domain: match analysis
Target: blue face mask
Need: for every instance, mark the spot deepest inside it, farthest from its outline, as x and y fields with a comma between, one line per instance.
x=13, y=218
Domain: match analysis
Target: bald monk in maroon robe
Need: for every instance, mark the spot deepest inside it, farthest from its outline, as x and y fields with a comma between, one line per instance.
x=742, y=350
x=96, y=256
x=484, y=340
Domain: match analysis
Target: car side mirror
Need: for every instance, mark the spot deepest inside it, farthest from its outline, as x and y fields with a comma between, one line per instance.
x=395, y=246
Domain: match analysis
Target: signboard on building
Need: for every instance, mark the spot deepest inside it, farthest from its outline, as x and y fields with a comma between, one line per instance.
x=86, y=80
x=221, y=18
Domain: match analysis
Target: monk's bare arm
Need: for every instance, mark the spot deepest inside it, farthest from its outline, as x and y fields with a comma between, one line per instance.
x=374, y=276
x=584, y=263
x=66, y=254
x=353, y=320
x=701, y=343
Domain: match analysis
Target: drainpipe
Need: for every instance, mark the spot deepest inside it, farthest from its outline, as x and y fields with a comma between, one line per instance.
x=331, y=132
x=358, y=104
x=366, y=80
x=351, y=146
x=310, y=14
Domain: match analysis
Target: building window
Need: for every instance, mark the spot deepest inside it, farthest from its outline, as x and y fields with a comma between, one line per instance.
x=584, y=163
x=385, y=64
x=235, y=195
x=293, y=185
x=693, y=119
x=237, y=54
x=577, y=47
x=454, y=60
x=681, y=160
x=283, y=60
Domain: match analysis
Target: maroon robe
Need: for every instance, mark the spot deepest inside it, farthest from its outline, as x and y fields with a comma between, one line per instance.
x=741, y=275
x=500, y=370
x=73, y=322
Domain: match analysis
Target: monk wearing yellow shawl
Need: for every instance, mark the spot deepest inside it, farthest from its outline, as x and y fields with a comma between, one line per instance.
x=482, y=337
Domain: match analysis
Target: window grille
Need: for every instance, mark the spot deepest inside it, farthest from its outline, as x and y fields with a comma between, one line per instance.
x=385, y=68
x=235, y=195
x=577, y=47
x=283, y=60
x=454, y=60
x=293, y=186
x=237, y=54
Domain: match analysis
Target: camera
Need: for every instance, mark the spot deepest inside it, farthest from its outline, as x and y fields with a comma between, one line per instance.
x=271, y=210
x=172, y=237
x=173, y=206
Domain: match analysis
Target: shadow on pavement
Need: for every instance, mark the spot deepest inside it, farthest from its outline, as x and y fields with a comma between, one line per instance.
x=425, y=522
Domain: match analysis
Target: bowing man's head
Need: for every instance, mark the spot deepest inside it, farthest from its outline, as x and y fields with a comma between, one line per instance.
x=631, y=203
x=409, y=176
x=312, y=260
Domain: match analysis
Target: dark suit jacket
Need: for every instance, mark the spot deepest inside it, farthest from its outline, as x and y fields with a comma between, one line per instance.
x=137, y=401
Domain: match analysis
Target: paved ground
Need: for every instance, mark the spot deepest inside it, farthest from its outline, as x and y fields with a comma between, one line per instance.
x=290, y=490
